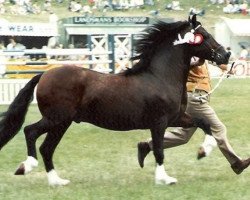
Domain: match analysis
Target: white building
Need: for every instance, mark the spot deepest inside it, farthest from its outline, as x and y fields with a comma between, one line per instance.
x=231, y=32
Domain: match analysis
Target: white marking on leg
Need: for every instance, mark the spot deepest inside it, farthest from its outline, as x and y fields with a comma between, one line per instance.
x=209, y=144
x=55, y=180
x=29, y=164
x=161, y=176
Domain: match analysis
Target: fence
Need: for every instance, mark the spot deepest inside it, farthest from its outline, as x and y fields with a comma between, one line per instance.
x=9, y=88
x=41, y=59
x=108, y=53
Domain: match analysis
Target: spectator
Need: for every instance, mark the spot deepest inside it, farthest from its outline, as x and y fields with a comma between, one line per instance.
x=233, y=56
x=243, y=53
x=231, y=8
x=75, y=6
x=47, y=7
x=136, y=3
x=243, y=8
x=11, y=45
x=86, y=10
x=2, y=8
x=36, y=8
x=175, y=5
x=14, y=46
x=53, y=18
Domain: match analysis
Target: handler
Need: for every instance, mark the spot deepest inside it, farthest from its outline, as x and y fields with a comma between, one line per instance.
x=198, y=87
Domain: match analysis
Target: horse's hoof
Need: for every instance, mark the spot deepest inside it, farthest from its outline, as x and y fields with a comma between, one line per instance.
x=61, y=182
x=201, y=153
x=55, y=180
x=167, y=181
x=143, y=150
x=20, y=170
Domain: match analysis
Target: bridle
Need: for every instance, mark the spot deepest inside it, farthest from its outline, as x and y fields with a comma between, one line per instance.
x=214, y=52
x=193, y=38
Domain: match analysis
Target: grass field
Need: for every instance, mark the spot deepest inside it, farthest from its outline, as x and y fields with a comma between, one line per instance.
x=102, y=164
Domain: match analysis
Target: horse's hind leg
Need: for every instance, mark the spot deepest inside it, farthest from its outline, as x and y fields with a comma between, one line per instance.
x=32, y=132
x=185, y=120
x=47, y=150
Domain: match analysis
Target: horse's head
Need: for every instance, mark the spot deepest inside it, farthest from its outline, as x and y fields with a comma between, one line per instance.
x=200, y=43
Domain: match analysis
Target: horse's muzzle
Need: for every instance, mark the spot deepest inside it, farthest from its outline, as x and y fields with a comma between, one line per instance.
x=222, y=58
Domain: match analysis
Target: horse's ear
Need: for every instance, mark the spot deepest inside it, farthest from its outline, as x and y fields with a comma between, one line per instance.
x=193, y=20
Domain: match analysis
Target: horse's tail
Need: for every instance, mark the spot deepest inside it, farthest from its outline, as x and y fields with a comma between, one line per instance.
x=12, y=120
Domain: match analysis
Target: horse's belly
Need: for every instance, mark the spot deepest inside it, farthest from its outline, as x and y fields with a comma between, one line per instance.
x=113, y=120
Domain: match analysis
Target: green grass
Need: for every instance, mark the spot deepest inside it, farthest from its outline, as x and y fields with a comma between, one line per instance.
x=102, y=164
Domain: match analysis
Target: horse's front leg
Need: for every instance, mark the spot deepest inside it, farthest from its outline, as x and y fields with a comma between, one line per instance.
x=161, y=177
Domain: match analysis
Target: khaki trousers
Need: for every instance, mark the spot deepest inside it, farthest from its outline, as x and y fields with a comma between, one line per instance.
x=201, y=109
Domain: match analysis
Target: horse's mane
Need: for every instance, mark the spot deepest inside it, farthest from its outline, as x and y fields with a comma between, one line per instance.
x=150, y=38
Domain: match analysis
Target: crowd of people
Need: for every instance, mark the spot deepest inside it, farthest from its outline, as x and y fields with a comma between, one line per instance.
x=24, y=7
x=106, y=5
x=233, y=6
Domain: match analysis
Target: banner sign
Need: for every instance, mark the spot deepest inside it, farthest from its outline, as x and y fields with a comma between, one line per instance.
x=28, y=29
x=241, y=69
x=110, y=20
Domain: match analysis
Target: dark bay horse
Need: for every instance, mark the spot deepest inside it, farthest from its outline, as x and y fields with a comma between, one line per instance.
x=150, y=95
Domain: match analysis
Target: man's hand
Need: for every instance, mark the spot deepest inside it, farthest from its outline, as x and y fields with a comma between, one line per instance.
x=231, y=71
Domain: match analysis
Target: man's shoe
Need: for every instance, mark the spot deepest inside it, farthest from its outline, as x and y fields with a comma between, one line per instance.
x=143, y=150
x=240, y=165
x=201, y=153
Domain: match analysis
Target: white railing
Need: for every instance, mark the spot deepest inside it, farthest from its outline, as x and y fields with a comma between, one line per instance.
x=53, y=52
x=98, y=60
x=9, y=88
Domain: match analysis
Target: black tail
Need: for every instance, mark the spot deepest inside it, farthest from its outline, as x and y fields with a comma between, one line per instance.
x=12, y=120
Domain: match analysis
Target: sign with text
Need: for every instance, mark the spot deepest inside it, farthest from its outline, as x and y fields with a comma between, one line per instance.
x=110, y=20
x=241, y=69
x=28, y=29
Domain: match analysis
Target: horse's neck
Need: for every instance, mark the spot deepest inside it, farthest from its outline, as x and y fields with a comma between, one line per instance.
x=172, y=63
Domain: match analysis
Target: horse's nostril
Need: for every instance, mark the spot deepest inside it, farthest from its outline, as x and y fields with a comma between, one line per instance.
x=228, y=54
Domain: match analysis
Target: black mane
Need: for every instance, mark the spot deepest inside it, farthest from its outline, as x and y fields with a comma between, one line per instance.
x=152, y=37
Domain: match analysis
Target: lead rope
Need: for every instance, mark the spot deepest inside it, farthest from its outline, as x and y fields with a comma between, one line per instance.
x=225, y=74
